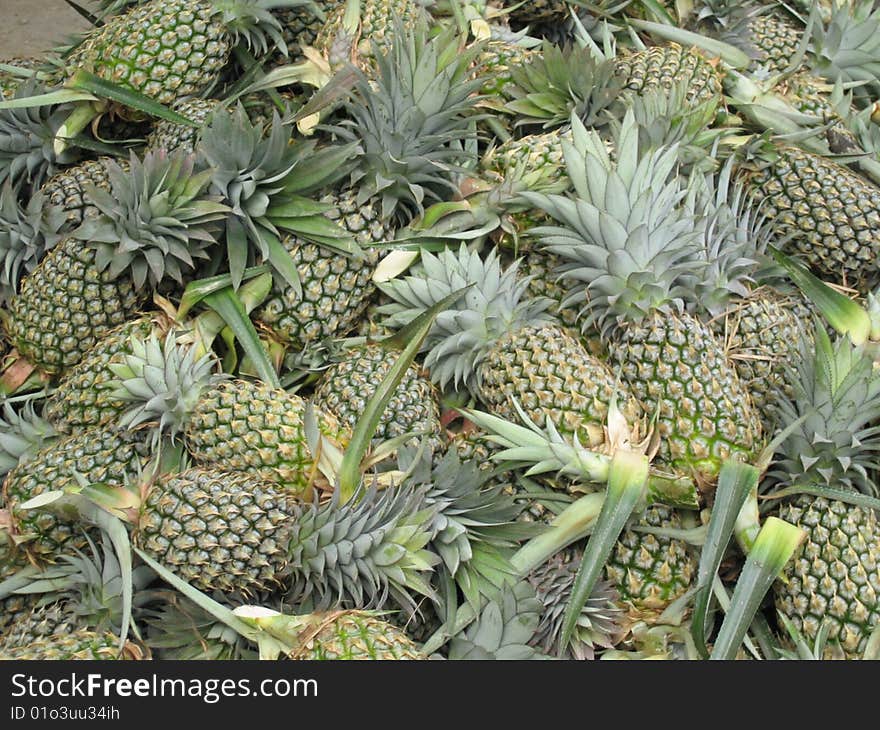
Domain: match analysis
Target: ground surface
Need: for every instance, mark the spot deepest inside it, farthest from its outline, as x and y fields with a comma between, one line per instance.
x=30, y=27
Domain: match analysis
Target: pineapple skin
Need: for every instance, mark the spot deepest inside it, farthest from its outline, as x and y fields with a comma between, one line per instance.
x=77, y=645
x=164, y=49
x=66, y=188
x=833, y=214
x=172, y=136
x=835, y=575
x=661, y=67
x=81, y=400
x=774, y=41
x=101, y=454
x=335, y=288
x=347, y=386
x=650, y=571
x=219, y=530
x=673, y=363
x=250, y=427
x=65, y=307
x=761, y=335
x=553, y=377
x=353, y=635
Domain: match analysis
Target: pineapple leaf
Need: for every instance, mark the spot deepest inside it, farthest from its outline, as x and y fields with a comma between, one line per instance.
x=627, y=487
x=773, y=548
x=229, y=306
x=735, y=482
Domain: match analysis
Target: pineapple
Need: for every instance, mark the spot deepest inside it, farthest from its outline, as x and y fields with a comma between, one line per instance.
x=169, y=49
x=668, y=65
x=630, y=246
x=350, y=635
x=82, y=644
x=501, y=347
x=347, y=385
x=834, y=577
x=171, y=136
x=23, y=432
x=407, y=126
x=829, y=212
x=67, y=189
x=770, y=40
x=356, y=30
x=152, y=226
x=235, y=533
x=101, y=454
x=650, y=571
x=226, y=422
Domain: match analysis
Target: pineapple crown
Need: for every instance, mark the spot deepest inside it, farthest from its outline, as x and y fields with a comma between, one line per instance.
x=154, y=220
x=475, y=530
x=22, y=434
x=600, y=622
x=363, y=552
x=163, y=381
x=27, y=156
x=261, y=178
x=462, y=335
x=90, y=586
x=559, y=82
x=837, y=388
x=734, y=236
x=26, y=234
x=410, y=119
x=846, y=47
x=504, y=629
x=252, y=23
x=626, y=237
x=665, y=117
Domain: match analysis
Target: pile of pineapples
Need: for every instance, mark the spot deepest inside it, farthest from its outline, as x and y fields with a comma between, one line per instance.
x=339, y=329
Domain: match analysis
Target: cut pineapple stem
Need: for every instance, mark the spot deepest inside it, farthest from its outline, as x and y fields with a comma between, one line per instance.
x=774, y=547
x=736, y=482
x=627, y=484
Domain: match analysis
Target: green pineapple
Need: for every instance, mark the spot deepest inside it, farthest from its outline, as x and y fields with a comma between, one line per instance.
x=829, y=211
x=630, y=246
x=171, y=136
x=771, y=40
x=82, y=644
x=651, y=571
x=167, y=50
x=357, y=29
x=834, y=576
x=407, y=126
x=664, y=67
x=68, y=188
x=351, y=635
x=231, y=423
x=500, y=346
x=102, y=454
x=238, y=534
x=348, y=384
x=152, y=226
x=23, y=432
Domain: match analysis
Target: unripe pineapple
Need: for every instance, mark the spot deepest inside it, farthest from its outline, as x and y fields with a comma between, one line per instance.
x=835, y=576
x=335, y=288
x=347, y=386
x=172, y=136
x=349, y=635
x=667, y=65
x=77, y=645
x=67, y=188
x=651, y=571
x=102, y=454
